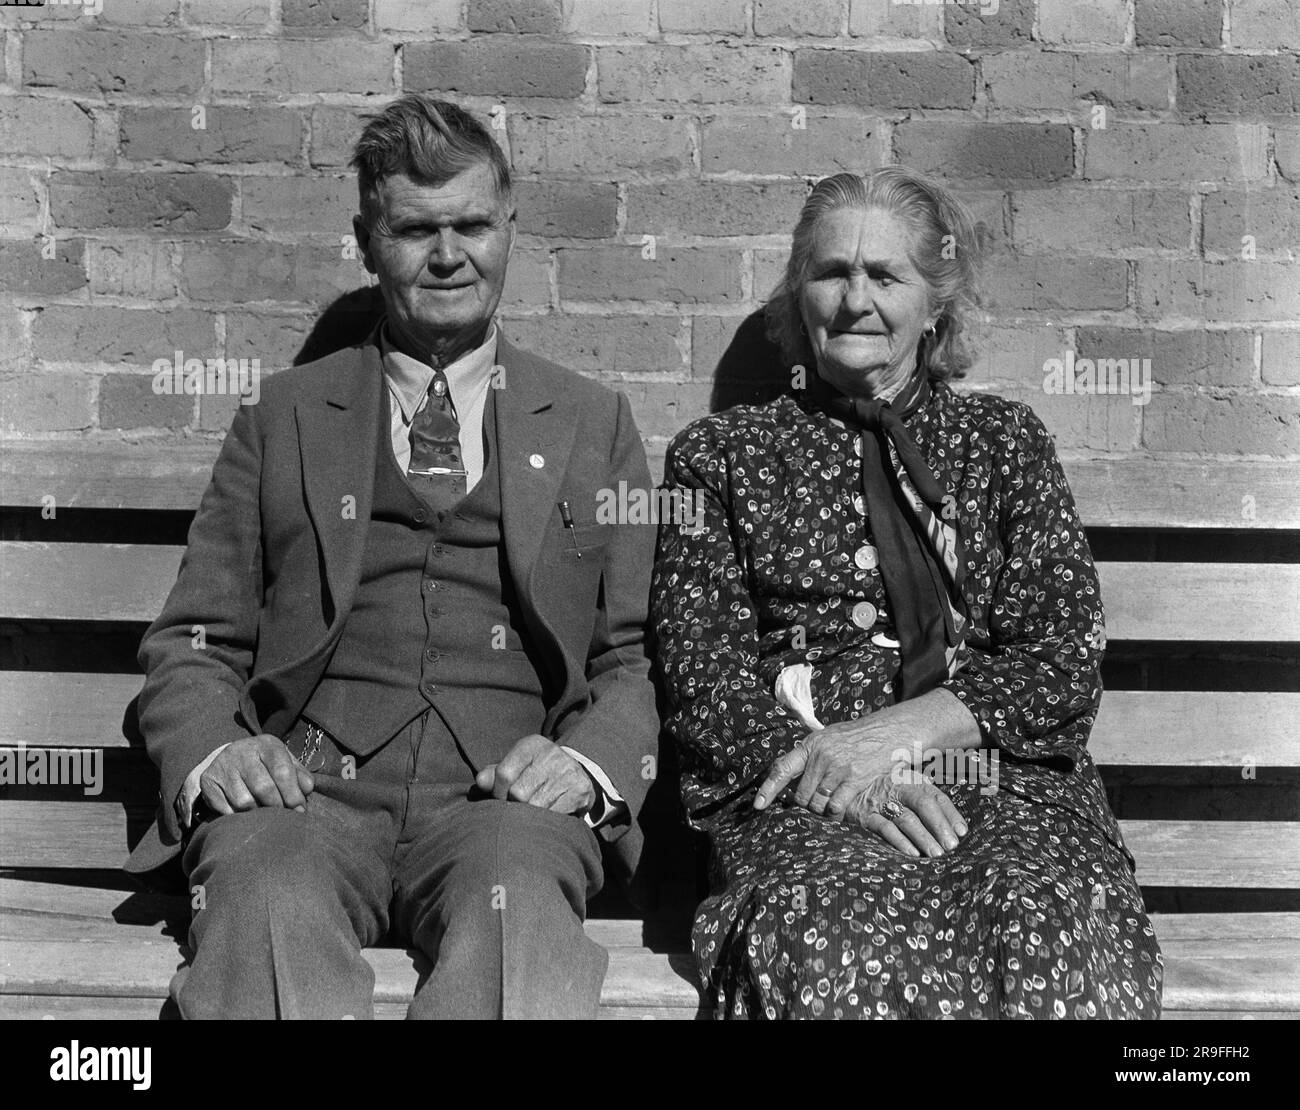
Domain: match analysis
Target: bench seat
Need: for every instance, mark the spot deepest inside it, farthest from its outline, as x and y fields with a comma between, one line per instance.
x=69, y=950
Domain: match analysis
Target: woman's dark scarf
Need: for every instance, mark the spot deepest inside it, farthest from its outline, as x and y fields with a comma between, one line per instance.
x=915, y=524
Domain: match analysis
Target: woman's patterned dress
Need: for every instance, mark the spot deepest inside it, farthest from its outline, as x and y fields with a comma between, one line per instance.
x=1036, y=913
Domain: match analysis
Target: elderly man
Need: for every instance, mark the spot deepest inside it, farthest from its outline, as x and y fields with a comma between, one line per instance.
x=400, y=687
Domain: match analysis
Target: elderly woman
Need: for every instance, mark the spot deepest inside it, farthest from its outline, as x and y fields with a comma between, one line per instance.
x=880, y=648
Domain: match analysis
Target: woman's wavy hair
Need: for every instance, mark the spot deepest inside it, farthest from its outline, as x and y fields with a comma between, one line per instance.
x=948, y=265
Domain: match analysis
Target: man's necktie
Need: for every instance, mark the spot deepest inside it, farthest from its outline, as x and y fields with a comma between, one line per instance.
x=436, y=469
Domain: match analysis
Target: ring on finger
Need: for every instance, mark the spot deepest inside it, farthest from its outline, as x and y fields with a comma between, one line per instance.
x=891, y=810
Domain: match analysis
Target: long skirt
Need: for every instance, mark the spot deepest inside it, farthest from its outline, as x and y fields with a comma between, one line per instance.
x=1035, y=915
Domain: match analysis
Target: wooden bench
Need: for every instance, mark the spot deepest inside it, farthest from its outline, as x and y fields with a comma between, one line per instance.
x=1198, y=738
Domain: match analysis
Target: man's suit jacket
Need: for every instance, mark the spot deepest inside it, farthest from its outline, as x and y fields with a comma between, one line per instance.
x=275, y=556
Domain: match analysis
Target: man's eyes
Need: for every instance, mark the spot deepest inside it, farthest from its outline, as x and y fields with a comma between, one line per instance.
x=414, y=231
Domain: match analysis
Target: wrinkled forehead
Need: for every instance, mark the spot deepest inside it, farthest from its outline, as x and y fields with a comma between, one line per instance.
x=862, y=238
x=471, y=194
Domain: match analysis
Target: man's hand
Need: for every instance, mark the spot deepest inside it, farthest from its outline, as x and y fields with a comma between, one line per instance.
x=257, y=771
x=541, y=773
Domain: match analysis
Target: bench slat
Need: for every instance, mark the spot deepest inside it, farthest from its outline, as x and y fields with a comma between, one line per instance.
x=130, y=968
x=1116, y=493
x=1235, y=602
x=1134, y=728
x=1255, y=854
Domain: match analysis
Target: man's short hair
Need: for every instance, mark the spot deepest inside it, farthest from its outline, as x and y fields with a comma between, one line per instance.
x=428, y=140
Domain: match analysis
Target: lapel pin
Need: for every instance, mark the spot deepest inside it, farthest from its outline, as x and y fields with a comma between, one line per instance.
x=536, y=462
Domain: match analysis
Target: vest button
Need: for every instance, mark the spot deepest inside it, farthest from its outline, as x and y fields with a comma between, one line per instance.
x=430, y=585
x=432, y=655
x=430, y=688
x=421, y=516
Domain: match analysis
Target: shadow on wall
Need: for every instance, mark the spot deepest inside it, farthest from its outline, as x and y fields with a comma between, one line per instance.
x=750, y=372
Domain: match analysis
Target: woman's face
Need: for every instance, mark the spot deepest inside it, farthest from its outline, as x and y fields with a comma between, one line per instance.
x=863, y=302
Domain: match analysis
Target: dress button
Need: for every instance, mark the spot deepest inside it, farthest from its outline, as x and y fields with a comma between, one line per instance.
x=864, y=614
x=536, y=461
x=884, y=639
x=866, y=557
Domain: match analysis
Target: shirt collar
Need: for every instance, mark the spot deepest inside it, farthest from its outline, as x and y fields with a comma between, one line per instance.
x=409, y=378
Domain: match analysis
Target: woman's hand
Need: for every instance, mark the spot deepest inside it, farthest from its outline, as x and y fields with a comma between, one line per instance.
x=853, y=769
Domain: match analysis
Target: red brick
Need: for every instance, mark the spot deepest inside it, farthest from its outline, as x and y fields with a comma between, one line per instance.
x=496, y=67
x=1029, y=79
x=1012, y=354
x=1051, y=283
x=1102, y=221
x=272, y=338
x=334, y=133
x=715, y=208
x=53, y=128
x=323, y=16
x=321, y=206
x=128, y=401
x=418, y=15
x=683, y=275
x=569, y=209
x=796, y=19
x=1127, y=81
x=131, y=268
x=111, y=198
x=665, y=408
x=1265, y=24
x=1178, y=153
x=770, y=144
x=285, y=67
x=155, y=13
x=46, y=402
x=692, y=17
x=1069, y=21
x=19, y=204
x=1272, y=216
x=82, y=334
x=25, y=270
x=609, y=17
x=598, y=145
x=1280, y=357
x=247, y=270
x=1006, y=151
x=1216, y=85
x=911, y=80
x=1011, y=25
x=710, y=338
x=1239, y=425
x=13, y=343
x=610, y=344
x=1218, y=290
x=245, y=14
x=1191, y=356
x=516, y=17
x=230, y=135
x=1286, y=149
x=694, y=74
x=112, y=62
x=528, y=280
x=1179, y=22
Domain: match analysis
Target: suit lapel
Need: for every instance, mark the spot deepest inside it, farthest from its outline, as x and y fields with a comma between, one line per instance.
x=338, y=436
x=534, y=440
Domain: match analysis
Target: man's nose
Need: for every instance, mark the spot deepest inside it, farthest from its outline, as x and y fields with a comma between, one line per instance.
x=447, y=252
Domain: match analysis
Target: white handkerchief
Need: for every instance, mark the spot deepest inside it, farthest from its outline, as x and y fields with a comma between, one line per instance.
x=793, y=689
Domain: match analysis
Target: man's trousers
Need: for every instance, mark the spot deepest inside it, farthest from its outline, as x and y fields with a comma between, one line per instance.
x=493, y=893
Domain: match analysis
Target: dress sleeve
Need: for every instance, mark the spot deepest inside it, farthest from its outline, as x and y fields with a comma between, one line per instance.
x=727, y=726
x=1033, y=683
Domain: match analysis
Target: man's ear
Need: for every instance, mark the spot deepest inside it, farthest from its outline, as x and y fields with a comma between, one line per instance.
x=362, y=233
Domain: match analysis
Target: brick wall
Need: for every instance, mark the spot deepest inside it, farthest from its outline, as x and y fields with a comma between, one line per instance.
x=172, y=177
